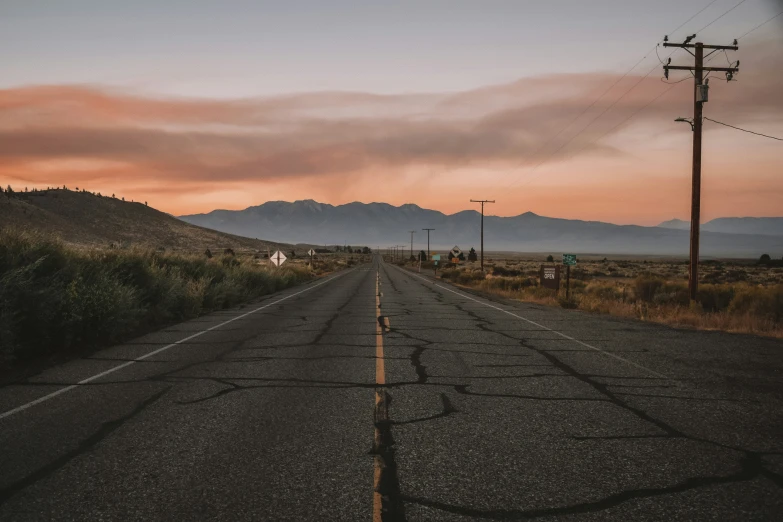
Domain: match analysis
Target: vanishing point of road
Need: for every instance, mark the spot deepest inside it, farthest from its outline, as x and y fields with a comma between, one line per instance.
x=377, y=393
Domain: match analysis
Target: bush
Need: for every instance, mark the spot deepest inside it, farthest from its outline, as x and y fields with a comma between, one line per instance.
x=53, y=298
x=759, y=302
x=715, y=298
x=646, y=285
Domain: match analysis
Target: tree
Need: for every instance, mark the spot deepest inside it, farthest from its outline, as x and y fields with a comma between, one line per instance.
x=550, y=259
x=423, y=255
x=293, y=254
x=366, y=250
x=461, y=256
x=765, y=258
x=208, y=253
x=472, y=256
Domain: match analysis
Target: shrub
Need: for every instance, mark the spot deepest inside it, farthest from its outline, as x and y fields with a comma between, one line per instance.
x=53, y=298
x=759, y=302
x=715, y=298
x=646, y=285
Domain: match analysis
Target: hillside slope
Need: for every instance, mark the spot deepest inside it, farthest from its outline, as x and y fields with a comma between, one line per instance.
x=82, y=218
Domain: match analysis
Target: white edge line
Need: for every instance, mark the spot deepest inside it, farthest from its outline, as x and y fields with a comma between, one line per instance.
x=652, y=372
x=155, y=352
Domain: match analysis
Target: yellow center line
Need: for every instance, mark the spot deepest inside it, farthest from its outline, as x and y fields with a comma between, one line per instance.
x=380, y=411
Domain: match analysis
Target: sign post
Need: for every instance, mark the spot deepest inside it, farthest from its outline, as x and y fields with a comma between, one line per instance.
x=278, y=258
x=569, y=260
x=550, y=277
x=312, y=254
x=454, y=254
x=436, y=260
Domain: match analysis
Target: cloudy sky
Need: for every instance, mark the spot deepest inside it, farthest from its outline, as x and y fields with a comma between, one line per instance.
x=556, y=107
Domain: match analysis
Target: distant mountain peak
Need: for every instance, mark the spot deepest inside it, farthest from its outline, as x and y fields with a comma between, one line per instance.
x=675, y=223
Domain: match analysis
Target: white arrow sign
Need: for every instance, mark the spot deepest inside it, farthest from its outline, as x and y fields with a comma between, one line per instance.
x=278, y=258
x=311, y=252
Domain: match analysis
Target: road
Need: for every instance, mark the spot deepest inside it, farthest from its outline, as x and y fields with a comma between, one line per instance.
x=380, y=394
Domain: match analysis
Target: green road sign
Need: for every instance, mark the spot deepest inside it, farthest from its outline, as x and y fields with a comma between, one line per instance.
x=569, y=259
x=436, y=257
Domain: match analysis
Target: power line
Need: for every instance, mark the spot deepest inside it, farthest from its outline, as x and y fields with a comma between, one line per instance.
x=743, y=130
x=721, y=16
x=631, y=88
x=762, y=24
x=692, y=17
x=640, y=109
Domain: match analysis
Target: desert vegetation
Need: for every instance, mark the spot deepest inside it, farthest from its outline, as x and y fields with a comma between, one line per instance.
x=737, y=296
x=55, y=298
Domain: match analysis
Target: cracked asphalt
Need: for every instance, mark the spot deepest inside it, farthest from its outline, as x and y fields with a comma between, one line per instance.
x=493, y=410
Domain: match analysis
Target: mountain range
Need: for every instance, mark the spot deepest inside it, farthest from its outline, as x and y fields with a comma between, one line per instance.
x=770, y=226
x=381, y=224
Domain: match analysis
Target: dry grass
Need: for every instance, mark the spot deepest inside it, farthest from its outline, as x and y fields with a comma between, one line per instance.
x=753, y=304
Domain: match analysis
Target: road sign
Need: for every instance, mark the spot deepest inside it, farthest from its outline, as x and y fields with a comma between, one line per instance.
x=455, y=252
x=311, y=252
x=278, y=258
x=569, y=259
x=436, y=259
x=550, y=276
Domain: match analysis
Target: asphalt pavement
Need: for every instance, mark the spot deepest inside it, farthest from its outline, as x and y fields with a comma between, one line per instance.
x=378, y=393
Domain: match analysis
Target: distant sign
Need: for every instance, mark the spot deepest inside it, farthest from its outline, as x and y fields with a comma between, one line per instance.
x=456, y=252
x=311, y=252
x=436, y=259
x=278, y=258
x=550, y=276
x=569, y=259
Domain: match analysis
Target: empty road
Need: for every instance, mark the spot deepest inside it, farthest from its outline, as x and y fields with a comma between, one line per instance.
x=380, y=394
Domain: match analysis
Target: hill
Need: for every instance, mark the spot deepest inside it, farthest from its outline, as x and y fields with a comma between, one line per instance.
x=382, y=224
x=82, y=218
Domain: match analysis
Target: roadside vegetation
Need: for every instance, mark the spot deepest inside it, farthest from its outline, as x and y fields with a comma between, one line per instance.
x=56, y=298
x=733, y=296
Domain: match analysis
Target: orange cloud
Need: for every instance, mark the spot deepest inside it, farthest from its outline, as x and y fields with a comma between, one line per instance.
x=342, y=144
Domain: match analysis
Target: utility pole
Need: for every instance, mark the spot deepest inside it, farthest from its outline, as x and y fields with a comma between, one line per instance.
x=700, y=97
x=482, y=201
x=412, y=232
x=428, y=241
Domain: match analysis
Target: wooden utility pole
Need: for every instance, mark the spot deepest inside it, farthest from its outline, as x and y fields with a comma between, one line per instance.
x=700, y=97
x=482, y=201
x=428, y=242
x=412, y=232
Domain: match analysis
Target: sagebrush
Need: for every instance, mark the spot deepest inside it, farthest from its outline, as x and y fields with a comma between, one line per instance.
x=54, y=298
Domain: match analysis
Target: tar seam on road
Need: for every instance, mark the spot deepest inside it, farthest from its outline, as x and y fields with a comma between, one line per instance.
x=154, y=352
x=651, y=372
x=380, y=412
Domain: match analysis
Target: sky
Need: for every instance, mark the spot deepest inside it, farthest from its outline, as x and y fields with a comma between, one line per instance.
x=554, y=107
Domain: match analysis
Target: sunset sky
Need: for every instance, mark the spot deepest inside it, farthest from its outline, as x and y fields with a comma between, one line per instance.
x=195, y=105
